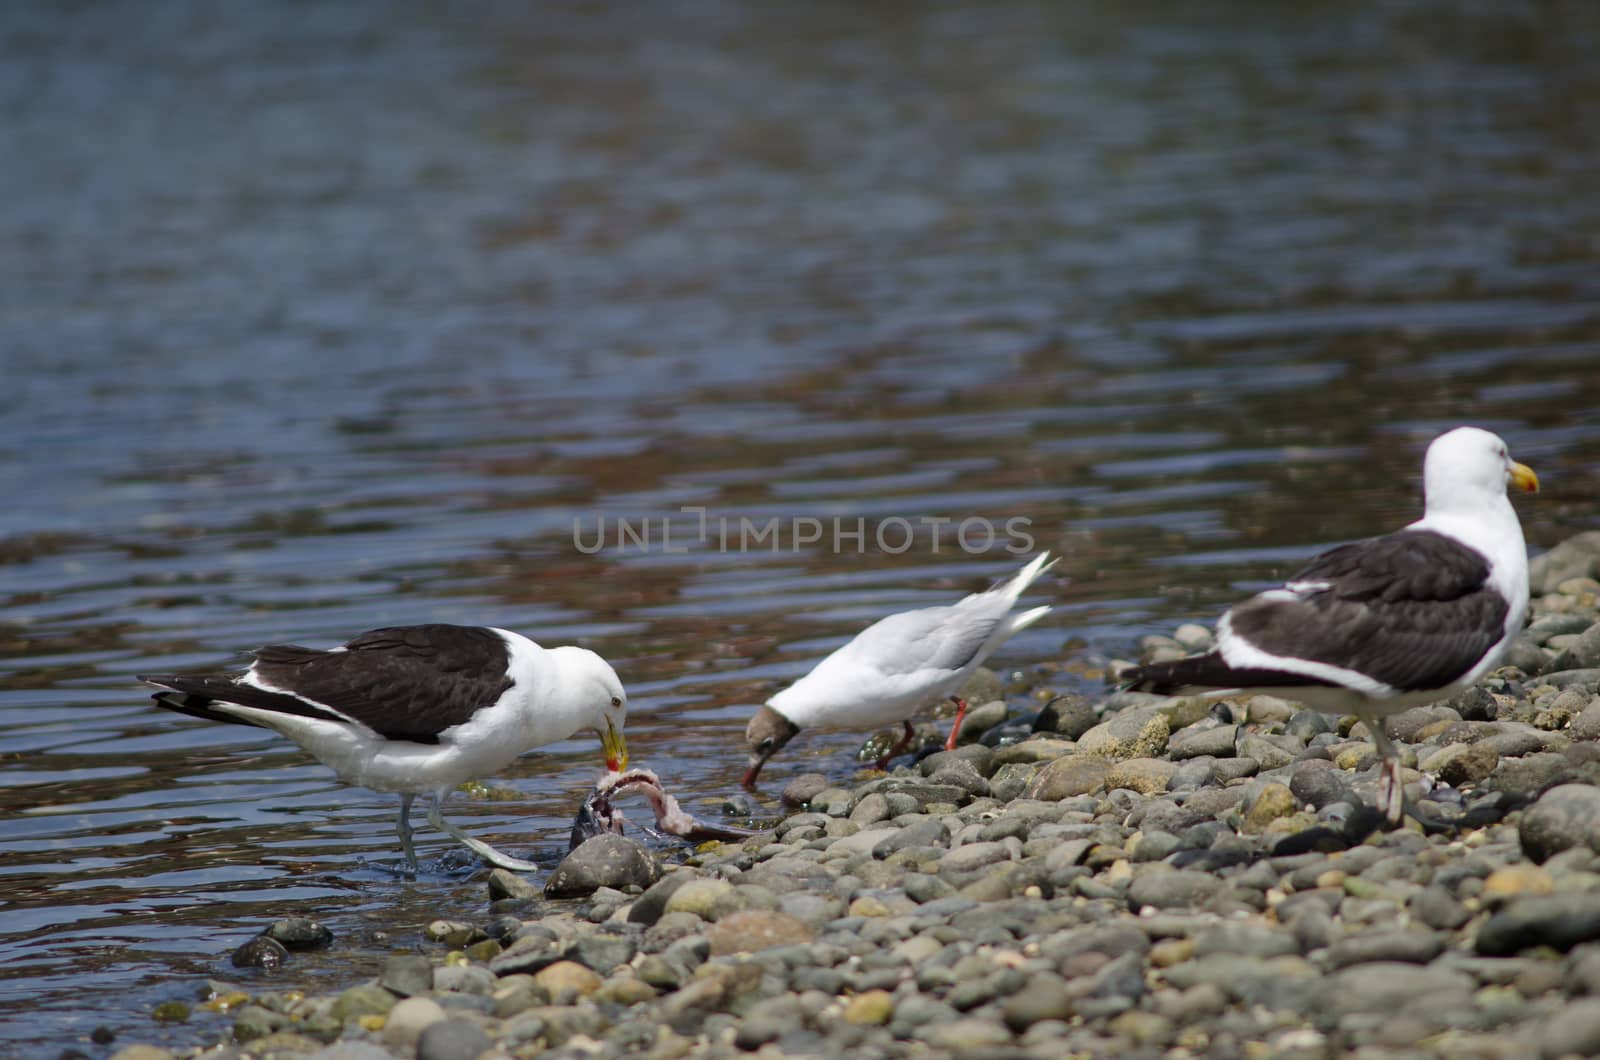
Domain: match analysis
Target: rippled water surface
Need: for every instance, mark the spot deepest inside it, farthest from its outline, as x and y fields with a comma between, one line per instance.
x=320, y=318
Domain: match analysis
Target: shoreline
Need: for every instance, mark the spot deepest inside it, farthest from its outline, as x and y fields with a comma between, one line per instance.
x=1140, y=877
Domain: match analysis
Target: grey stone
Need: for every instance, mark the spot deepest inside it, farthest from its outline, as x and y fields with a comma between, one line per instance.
x=463, y=979
x=1139, y=732
x=1410, y=947
x=1070, y=716
x=1067, y=777
x=506, y=884
x=1390, y=988
x=452, y=1039
x=924, y=833
x=407, y=974
x=260, y=952
x=253, y=1021
x=601, y=952
x=1306, y=724
x=1558, y=920
x=1264, y=752
x=1574, y=1030
x=649, y=906
x=1563, y=817
x=300, y=933
x=978, y=855
x=1586, y=726
x=529, y=954
x=606, y=860
x=769, y=1020
x=1437, y=907
x=1582, y=653
x=963, y=775
x=805, y=787
x=1166, y=888
x=1042, y=997
x=1251, y=940
x=870, y=810
x=1215, y=741
x=1011, y=780
x=1576, y=557
x=1319, y=784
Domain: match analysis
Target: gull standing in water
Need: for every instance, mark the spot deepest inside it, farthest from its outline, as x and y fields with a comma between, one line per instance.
x=417, y=709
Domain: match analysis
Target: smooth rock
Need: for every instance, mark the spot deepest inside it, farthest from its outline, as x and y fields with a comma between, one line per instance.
x=652, y=904
x=567, y=979
x=1165, y=888
x=1069, y=716
x=503, y=883
x=1574, y=1030
x=606, y=860
x=1461, y=764
x=408, y=1019
x=1216, y=741
x=1410, y=947
x=805, y=787
x=1274, y=801
x=407, y=974
x=260, y=952
x=1563, y=817
x=870, y=1008
x=1067, y=777
x=1390, y=988
x=756, y=929
x=1514, y=880
x=1263, y=751
x=1042, y=997
x=1558, y=920
x=362, y=1000
x=1141, y=732
x=1147, y=776
x=699, y=897
x=452, y=1039
x=299, y=933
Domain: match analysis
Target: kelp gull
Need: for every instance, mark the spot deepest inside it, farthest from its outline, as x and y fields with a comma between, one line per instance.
x=1377, y=626
x=417, y=709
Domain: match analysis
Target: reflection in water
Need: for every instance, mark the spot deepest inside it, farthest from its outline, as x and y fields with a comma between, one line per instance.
x=325, y=322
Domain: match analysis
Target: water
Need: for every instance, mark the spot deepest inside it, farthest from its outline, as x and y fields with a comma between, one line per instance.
x=320, y=318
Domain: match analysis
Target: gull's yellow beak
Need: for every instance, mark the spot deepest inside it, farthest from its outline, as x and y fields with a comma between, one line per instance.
x=616, y=748
x=1523, y=478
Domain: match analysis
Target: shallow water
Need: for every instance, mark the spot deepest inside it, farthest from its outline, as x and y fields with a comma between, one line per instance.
x=320, y=319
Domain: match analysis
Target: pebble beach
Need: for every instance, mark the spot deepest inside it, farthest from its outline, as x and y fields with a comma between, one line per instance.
x=1126, y=876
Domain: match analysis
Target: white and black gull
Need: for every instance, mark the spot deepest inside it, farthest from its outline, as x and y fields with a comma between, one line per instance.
x=1374, y=627
x=895, y=667
x=417, y=710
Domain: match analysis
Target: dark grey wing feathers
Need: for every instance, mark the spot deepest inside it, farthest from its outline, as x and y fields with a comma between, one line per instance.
x=404, y=682
x=1412, y=609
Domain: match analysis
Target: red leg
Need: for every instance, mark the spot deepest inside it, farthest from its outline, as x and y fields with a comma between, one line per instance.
x=899, y=746
x=955, y=729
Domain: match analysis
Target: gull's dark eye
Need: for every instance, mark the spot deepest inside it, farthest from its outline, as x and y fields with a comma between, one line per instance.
x=765, y=746
x=616, y=701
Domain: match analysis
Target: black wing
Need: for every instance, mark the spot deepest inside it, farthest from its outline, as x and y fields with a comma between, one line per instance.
x=1412, y=609
x=403, y=682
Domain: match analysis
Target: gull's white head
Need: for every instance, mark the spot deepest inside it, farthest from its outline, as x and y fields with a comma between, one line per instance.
x=1468, y=465
x=600, y=699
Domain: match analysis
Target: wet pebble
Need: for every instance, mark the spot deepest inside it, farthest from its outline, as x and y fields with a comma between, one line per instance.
x=260, y=952
x=606, y=860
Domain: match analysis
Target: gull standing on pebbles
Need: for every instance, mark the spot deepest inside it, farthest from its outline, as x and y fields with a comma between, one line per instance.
x=417, y=709
x=1375, y=627
x=895, y=667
